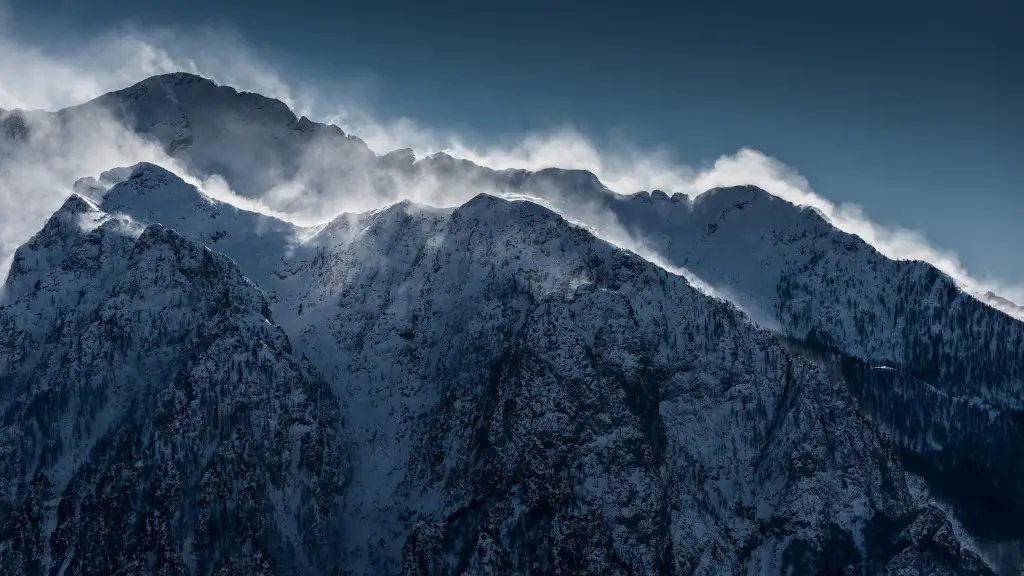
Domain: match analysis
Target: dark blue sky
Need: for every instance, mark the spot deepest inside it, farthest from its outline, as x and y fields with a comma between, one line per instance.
x=913, y=109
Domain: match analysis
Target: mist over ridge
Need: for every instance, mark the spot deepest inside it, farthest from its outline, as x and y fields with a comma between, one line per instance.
x=247, y=326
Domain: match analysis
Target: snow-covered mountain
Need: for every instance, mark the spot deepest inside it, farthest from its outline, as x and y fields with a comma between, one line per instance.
x=939, y=368
x=485, y=388
x=515, y=395
x=155, y=419
x=254, y=142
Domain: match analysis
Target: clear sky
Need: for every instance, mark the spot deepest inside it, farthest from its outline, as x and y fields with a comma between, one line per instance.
x=913, y=109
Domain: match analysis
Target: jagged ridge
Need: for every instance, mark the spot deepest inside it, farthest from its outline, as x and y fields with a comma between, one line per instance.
x=513, y=384
x=155, y=420
x=783, y=265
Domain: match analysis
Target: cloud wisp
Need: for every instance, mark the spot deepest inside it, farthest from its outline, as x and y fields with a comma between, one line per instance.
x=35, y=181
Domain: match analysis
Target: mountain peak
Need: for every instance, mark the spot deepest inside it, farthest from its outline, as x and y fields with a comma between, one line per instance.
x=399, y=158
x=74, y=205
x=150, y=172
x=67, y=220
x=175, y=79
x=484, y=206
x=992, y=296
x=189, y=92
x=304, y=124
x=443, y=160
x=659, y=195
x=153, y=193
x=143, y=179
x=493, y=210
x=574, y=176
x=656, y=197
x=75, y=218
x=722, y=195
x=252, y=141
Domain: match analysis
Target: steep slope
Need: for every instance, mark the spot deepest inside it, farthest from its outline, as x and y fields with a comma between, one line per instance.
x=522, y=396
x=832, y=290
x=256, y=143
x=937, y=369
x=149, y=193
x=956, y=411
x=155, y=420
x=955, y=404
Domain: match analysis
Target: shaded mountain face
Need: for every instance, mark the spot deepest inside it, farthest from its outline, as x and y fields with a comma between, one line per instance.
x=955, y=413
x=254, y=142
x=940, y=369
x=154, y=419
x=258, y=146
x=513, y=395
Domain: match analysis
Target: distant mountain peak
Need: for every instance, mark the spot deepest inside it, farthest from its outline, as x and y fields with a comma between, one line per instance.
x=304, y=124
x=660, y=195
x=68, y=220
x=575, y=175
x=189, y=90
x=175, y=78
x=443, y=160
x=498, y=211
x=178, y=77
x=146, y=179
x=252, y=141
x=745, y=194
x=151, y=173
x=1002, y=301
x=403, y=157
x=151, y=190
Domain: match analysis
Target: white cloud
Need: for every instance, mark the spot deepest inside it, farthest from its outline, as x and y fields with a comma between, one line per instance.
x=33, y=78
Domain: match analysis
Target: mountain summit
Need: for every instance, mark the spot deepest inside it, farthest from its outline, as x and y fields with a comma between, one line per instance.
x=484, y=388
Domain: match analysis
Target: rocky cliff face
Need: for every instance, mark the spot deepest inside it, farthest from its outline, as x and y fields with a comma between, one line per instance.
x=518, y=396
x=486, y=389
x=940, y=369
x=155, y=420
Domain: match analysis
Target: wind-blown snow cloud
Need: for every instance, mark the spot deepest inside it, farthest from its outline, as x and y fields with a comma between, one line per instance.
x=627, y=169
x=30, y=189
x=36, y=178
x=34, y=78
